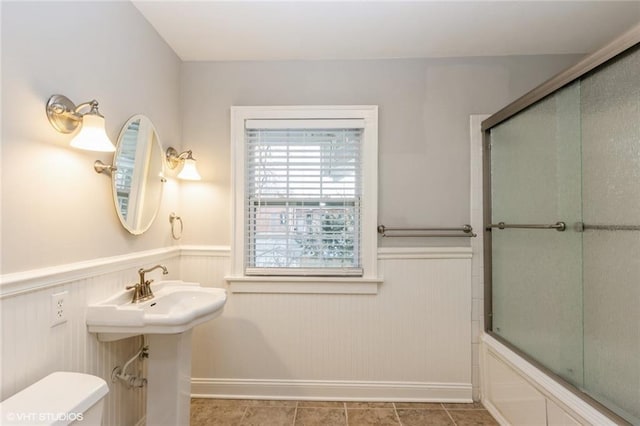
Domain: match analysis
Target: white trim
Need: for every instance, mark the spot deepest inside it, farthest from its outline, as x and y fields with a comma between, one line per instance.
x=477, y=243
x=302, y=285
x=324, y=390
x=207, y=251
x=37, y=279
x=368, y=113
x=424, y=253
x=546, y=385
x=303, y=111
x=383, y=252
x=304, y=124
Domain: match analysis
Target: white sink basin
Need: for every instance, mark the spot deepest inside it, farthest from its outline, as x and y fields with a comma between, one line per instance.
x=177, y=306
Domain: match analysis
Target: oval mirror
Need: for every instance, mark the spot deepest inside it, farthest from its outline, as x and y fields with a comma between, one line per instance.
x=139, y=175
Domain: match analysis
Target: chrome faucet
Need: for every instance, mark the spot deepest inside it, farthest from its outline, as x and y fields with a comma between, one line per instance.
x=142, y=290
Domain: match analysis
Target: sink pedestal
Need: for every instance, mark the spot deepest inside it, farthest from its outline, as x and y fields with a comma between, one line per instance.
x=169, y=379
x=167, y=320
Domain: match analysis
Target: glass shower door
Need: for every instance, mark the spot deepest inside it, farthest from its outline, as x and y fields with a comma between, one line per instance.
x=610, y=107
x=537, y=273
x=570, y=299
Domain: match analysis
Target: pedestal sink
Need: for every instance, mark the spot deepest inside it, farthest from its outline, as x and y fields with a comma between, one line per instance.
x=167, y=320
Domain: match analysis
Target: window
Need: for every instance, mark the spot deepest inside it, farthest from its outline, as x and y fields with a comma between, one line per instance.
x=305, y=191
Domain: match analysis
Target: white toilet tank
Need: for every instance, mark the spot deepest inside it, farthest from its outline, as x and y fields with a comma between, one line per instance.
x=61, y=398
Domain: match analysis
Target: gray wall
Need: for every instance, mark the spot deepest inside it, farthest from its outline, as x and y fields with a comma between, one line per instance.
x=424, y=127
x=55, y=208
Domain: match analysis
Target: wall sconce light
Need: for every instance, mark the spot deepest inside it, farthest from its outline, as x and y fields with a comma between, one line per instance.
x=65, y=117
x=189, y=170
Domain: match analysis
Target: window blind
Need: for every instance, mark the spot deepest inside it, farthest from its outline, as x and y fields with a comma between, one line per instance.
x=303, y=190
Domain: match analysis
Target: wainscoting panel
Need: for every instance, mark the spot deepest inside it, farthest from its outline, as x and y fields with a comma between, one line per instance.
x=32, y=349
x=411, y=341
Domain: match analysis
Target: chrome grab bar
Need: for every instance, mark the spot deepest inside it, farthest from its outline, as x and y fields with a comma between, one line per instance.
x=467, y=231
x=581, y=227
x=558, y=226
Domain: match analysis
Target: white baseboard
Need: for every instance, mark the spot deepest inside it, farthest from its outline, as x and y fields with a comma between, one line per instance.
x=331, y=390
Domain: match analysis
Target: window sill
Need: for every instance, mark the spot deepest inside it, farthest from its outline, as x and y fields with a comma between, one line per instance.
x=303, y=285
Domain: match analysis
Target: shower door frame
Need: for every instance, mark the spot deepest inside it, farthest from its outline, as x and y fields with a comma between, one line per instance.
x=626, y=41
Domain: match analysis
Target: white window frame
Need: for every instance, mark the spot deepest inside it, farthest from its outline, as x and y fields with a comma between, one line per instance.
x=367, y=284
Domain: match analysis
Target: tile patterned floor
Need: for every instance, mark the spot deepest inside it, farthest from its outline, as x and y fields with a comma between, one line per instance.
x=227, y=412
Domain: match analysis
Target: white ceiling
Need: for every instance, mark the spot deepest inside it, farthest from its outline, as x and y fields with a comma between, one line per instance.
x=310, y=30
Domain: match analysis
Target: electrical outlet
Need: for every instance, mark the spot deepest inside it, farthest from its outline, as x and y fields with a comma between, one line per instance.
x=58, y=308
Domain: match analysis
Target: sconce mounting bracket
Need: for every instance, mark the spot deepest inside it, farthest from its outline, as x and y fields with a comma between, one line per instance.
x=173, y=159
x=62, y=115
x=100, y=167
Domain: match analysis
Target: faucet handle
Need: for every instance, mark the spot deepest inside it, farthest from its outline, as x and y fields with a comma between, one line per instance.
x=138, y=291
x=146, y=289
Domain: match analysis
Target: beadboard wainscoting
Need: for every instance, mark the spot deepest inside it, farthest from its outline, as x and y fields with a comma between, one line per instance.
x=409, y=342
x=31, y=348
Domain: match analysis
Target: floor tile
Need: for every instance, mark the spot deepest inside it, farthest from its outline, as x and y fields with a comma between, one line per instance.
x=424, y=417
x=321, y=417
x=473, y=418
x=211, y=415
x=353, y=404
x=371, y=416
x=272, y=416
x=420, y=405
x=236, y=412
x=220, y=402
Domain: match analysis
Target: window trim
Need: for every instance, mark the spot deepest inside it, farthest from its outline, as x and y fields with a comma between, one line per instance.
x=369, y=238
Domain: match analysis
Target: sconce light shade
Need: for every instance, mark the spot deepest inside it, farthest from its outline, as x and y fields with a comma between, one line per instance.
x=65, y=117
x=189, y=170
x=92, y=135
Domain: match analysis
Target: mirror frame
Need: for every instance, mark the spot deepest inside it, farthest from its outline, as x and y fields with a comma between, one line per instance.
x=114, y=190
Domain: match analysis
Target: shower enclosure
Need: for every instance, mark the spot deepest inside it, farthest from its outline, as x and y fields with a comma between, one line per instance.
x=562, y=213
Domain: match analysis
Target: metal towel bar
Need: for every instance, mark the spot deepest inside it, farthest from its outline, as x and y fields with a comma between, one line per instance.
x=467, y=231
x=580, y=227
x=558, y=226
x=561, y=226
